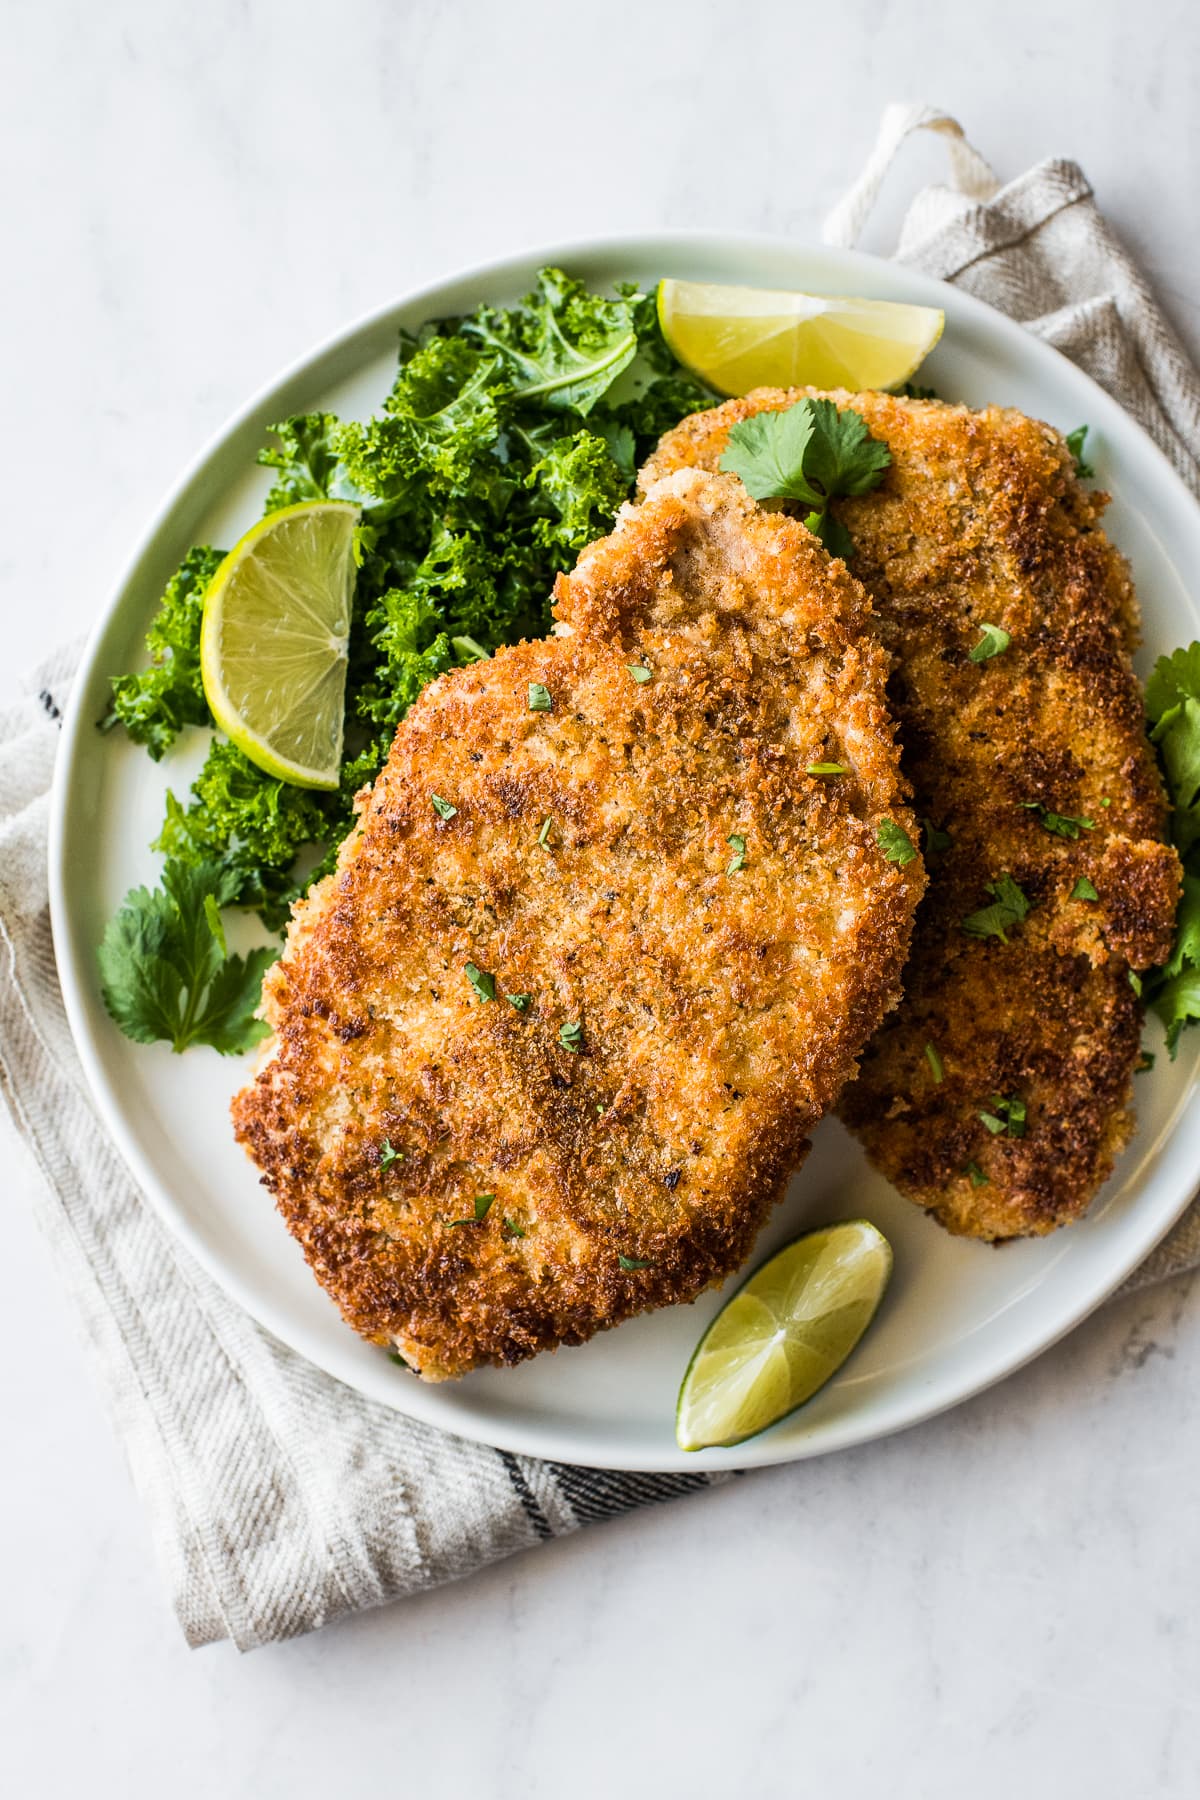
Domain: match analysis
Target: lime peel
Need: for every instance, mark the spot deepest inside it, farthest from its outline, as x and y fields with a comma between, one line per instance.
x=274, y=640
x=738, y=338
x=781, y=1337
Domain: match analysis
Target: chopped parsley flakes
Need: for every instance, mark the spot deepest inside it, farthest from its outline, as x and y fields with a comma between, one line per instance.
x=441, y=807
x=978, y=1178
x=483, y=1204
x=520, y=1002
x=640, y=673
x=826, y=769
x=935, y=1062
x=738, y=845
x=1064, y=825
x=635, y=1262
x=483, y=983
x=387, y=1156
x=539, y=698
x=1083, y=890
x=544, y=833
x=994, y=642
x=570, y=1036
x=1006, y=1117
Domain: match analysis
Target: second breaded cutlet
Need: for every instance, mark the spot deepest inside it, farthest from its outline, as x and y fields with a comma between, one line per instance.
x=998, y=1094
x=602, y=950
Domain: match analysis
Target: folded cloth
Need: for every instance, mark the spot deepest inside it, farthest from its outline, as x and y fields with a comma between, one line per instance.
x=278, y=1498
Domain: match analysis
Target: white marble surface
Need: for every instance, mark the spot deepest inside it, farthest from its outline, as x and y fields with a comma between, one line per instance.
x=1001, y=1601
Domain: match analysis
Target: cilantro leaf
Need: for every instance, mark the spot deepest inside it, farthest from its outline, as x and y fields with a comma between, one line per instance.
x=1008, y=908
x=1175, y=678
x=1177, y=1003
x=895, y=842
x=155, y=704
x=164, y=969
x=768, y=450
x=1075, y=441
x=1187, y=928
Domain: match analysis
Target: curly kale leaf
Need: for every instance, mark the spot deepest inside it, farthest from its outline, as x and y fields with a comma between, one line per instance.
x=405, y=628
x=307, y=463
x=479, y=482
x=156, y=703
x=439, y=435
x=254, y=825
x=562, y=347
x=577, y=488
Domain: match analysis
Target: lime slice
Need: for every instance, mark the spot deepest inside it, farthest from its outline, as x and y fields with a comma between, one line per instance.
x=274, y=640
x=739, y=338
x=783, y=1334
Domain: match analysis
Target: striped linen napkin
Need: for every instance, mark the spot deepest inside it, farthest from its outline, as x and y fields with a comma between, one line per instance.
x=278, y=1498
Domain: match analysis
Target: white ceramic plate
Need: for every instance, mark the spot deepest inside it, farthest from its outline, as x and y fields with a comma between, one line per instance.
x=958, y=1315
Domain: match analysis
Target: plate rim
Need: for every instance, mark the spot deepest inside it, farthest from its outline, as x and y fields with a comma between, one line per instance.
x=419, y=1400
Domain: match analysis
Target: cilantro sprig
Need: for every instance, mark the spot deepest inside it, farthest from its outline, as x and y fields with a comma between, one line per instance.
x=166, y=971
x=811, y=453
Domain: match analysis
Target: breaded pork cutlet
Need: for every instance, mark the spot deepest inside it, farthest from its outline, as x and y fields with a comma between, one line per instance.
x=549, y=1042
x=999, y=1092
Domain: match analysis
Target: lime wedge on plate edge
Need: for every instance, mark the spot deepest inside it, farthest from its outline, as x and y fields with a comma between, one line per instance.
x=273, y=645
x=782, y=1335
x=739, y=338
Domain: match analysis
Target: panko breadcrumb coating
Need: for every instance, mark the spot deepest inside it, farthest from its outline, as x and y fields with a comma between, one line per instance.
x=547, y=1051
x=981, y=521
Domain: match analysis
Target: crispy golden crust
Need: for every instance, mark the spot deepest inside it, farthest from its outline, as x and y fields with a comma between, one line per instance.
x=980, y=520
x=720, y=1012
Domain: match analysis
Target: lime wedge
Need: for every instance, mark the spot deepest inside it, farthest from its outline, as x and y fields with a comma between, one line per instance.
x=739, y=338
x=273, y=644
x=782, y=1335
